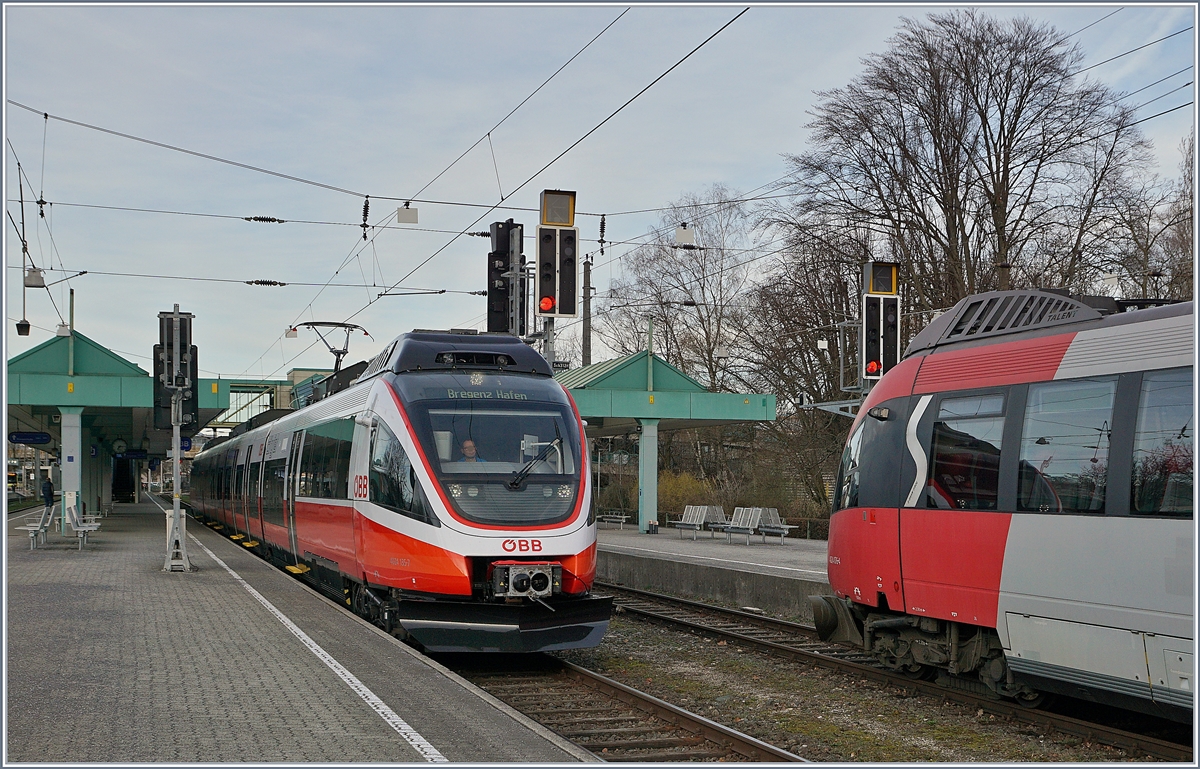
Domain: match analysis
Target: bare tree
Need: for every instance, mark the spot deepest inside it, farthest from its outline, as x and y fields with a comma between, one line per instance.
x=692, y=293
x=969, y=151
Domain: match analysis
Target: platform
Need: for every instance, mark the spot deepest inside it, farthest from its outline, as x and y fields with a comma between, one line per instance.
x=112, y=660
x=774, y=577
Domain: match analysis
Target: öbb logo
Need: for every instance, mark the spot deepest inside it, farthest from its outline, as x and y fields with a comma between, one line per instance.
x=522, y=546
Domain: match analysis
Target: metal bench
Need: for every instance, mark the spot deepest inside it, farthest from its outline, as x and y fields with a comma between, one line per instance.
x=37, y=531
x=745, y=521
x=693, y=518
x=613, y=517
x=81, y=527
x=772, y=524
x=715, y=520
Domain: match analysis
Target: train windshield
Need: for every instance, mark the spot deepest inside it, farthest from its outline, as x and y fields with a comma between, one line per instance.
x=505, y=447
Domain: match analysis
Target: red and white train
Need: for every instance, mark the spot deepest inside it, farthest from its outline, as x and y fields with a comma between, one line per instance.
x=1014, y=508
x=445, y=495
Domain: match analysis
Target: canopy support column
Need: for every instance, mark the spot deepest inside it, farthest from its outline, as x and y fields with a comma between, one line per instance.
x=648, y=474
x=71, y=432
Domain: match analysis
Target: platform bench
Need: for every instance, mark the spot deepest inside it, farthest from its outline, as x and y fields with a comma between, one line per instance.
x=772, y=524
x=745, y=521
x=611, y=517
x=693, y=519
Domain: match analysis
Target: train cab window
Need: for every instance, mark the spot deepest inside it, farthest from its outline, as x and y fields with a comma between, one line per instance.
x=964, y=468
x=849, y=474
x=1064, y=446
x=1162, y=445
x=393, y=481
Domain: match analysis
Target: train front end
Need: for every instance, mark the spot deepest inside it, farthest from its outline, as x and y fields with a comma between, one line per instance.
x=477, y=532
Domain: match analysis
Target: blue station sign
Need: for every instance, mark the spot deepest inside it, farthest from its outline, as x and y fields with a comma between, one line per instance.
x=31, y=439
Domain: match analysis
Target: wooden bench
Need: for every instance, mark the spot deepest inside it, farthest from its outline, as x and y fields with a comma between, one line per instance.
x=772, y=524
x=613, y=517
x=745, y=521
x=693, y=518
x=37, y=531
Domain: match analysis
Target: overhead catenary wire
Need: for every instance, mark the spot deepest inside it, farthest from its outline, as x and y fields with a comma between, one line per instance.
x=558, y=157
x=488, y=134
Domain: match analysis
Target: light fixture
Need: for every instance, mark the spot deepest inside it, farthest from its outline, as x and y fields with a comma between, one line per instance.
x=22, y=327
x=63, y=330
x=34, y=279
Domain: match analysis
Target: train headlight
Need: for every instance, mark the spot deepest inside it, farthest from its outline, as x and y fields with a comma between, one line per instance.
x=521, y=579
x=472, y=491
x=564, y=492
x=456, y=490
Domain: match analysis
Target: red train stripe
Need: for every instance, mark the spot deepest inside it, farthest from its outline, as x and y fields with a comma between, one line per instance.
x=1029, y=360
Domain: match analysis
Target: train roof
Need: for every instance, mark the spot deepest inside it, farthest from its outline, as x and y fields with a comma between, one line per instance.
x=1009, y=315
x=423, y=350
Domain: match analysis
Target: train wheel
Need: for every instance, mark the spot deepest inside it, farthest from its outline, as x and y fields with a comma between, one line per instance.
x=919, y=672
x=1032, y=699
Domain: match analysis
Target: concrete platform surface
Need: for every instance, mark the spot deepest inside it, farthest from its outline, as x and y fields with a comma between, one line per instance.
x=794, y=559
x=110, y=659
x=775, y=578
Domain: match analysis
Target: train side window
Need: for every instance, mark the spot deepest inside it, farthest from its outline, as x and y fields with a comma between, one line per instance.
x=1162, y=445
x=964, y=469
x=393, y=481
x=1064, y=446
x=273, y=484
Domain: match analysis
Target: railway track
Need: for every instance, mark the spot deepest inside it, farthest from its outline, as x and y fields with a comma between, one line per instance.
x=613, y=721
x=799, y=642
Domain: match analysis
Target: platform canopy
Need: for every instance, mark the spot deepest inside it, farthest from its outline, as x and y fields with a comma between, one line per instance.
x=87, y=397
x=643, y=393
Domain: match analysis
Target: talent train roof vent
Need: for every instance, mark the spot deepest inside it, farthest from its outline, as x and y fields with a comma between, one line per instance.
x=1001, y=312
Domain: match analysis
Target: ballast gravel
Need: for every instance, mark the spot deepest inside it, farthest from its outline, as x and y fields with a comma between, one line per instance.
x=814, y=712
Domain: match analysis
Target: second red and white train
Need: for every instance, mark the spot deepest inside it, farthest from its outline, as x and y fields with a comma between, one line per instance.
x=1014, y=508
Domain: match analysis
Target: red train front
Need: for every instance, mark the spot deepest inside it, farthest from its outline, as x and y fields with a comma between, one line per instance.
x=444, y=495
x=1014, y=510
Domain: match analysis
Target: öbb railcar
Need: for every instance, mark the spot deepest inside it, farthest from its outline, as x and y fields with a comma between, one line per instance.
x=1014, y=508
x=445, y=495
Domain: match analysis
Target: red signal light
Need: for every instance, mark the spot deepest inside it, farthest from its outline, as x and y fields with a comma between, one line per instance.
x=546, y=304
x=873, y=367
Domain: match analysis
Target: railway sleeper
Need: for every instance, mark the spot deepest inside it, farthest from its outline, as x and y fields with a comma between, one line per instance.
x=658, y=742
x=664, y=757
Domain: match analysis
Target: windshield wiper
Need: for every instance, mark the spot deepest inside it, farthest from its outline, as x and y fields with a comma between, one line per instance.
x=520, y=475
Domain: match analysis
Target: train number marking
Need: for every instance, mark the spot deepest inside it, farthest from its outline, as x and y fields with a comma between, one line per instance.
x=835, y=560
x=522, y=546
x=360, y=487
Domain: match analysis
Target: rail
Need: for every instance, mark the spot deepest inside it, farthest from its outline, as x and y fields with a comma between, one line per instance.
x=799, y=642
x=616, y=722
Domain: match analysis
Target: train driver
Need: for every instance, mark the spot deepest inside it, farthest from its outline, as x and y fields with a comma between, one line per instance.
x=469, y=454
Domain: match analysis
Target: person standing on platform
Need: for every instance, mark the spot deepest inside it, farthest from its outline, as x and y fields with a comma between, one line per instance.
x=48, y=491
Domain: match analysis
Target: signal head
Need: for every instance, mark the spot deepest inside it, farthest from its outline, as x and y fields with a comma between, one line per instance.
x=546, y=304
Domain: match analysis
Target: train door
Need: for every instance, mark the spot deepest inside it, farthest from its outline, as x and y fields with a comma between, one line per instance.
x=238, y=490
x=254, y=454
x=360, y=466
x=955, y=521
x=293, y=481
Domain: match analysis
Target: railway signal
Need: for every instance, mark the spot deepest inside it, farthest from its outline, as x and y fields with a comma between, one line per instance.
x=506, y=306
x=879, y=344
x=175, y=373
x=557, y=256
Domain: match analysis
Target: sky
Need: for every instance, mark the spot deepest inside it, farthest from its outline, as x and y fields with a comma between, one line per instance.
x=376, y=100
